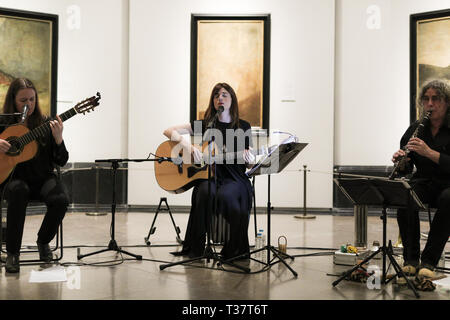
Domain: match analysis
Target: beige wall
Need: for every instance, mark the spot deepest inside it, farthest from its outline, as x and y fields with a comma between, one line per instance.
x=302, y=67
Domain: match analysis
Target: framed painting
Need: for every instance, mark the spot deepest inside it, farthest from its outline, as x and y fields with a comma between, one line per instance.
x=235, y=50
x=429, y=51
x=29, y=49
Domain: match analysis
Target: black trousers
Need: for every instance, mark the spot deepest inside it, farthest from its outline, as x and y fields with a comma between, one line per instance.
x=408, y=221
x=18, y=194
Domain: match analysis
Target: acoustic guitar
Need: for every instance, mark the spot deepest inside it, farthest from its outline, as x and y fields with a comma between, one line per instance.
x=176, y=172
x=23, y=141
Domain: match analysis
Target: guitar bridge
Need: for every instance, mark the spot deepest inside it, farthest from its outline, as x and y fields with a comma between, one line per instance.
x=191, y=171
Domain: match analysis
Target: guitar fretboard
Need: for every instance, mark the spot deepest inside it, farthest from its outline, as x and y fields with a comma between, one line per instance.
x=44, y=129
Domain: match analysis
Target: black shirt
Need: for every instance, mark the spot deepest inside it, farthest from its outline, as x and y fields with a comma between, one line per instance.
x=427, y=169
x=242, y=140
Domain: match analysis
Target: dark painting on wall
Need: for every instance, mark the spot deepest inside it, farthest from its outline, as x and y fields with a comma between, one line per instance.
x=29, y=49
x=235, y=50
x=430, y=51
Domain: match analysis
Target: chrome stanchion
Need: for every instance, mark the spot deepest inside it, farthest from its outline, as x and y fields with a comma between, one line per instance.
x=305, y=215
x=97, y=211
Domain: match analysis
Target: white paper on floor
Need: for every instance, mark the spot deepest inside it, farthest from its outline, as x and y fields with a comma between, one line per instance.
x=53, y=274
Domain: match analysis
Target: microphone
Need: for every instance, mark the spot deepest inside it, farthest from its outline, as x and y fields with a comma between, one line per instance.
x=24, y=113
x=213, y=120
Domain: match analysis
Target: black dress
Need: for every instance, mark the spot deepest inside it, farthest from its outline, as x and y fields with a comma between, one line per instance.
x=229, y=224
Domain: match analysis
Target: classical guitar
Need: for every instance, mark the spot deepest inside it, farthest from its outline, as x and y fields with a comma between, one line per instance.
x=177, y=173
x=23, y=141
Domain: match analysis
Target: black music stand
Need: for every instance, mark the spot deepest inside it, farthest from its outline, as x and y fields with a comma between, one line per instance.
x=8, y=116
x=274, y=162
x=112, y=246
x=386, y=193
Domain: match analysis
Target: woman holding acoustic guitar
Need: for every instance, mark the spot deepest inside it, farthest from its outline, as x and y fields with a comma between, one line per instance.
x=33, y=179
x=234, y=191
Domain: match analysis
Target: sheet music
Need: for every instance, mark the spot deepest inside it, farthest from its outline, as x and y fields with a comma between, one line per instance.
x=267, y=162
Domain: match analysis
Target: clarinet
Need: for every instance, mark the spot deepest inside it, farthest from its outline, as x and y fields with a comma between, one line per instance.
x=402, y=161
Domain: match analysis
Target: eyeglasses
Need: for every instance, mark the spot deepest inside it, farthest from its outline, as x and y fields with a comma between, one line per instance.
x=425, y=99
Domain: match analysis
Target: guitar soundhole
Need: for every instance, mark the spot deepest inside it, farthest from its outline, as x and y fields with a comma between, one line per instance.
x=16, y=147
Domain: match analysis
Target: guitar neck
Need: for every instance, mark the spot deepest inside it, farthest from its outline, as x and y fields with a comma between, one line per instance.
x=44, y=128
x=231, y=156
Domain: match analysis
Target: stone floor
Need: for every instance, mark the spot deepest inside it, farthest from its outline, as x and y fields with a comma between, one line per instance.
x=112, y=276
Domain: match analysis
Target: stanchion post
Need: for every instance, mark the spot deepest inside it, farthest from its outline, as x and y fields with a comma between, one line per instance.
x=305, y=215
x=96, y=211
x=360, y=213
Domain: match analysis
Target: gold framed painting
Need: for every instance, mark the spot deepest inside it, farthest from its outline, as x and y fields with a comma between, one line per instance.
x=29, y=48
x=235, y=50
x=429, y=51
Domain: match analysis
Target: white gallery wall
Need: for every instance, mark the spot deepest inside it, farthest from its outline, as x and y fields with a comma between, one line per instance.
x=301, y=69
x=344, y=64
x=372, y=77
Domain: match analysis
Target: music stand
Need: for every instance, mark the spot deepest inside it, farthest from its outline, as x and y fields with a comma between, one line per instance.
x=9, y=116
x=274, y=162
x=112, y=246
x=384, y=192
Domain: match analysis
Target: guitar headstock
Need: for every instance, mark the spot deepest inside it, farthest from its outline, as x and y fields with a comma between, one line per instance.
x=88, y=104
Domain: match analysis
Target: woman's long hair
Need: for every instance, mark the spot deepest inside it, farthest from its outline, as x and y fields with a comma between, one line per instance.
x=36, y=118
x=234, y=109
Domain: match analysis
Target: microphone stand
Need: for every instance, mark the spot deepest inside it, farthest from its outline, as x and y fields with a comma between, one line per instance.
x=112, y=246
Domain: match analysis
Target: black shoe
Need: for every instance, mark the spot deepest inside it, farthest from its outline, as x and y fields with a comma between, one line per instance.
x=180, y=253
x=45, y=254
x=12, y=263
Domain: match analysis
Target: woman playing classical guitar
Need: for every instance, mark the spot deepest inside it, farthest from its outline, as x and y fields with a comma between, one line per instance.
x=234, y=189
x=33, y=179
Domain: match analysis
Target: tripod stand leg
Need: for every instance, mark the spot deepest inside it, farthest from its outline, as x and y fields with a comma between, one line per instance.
x=359, y=265
x=79, y=257
x=163, y=266
x=177, y=229
x=274, y=251
x=246, y=270
x=138, y=257
x=282, y=254
x=398, y=271
x=208, y=255
x=152, y=229
x=112, y=246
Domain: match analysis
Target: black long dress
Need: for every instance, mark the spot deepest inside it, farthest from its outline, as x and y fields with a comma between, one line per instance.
x=233, y=202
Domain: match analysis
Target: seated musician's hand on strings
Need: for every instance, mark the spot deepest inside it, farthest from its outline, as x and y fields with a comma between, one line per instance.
x=196, y=154
x=4, y=146
x=57, y=129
